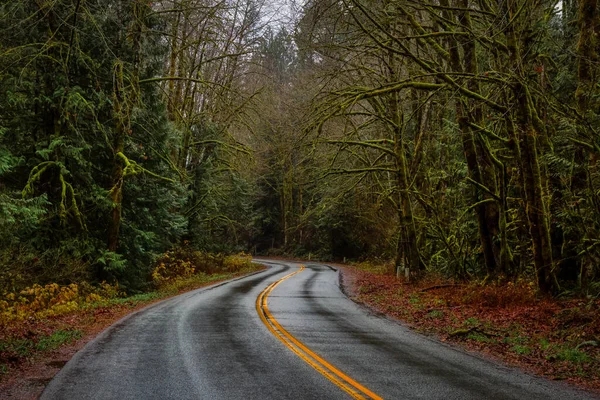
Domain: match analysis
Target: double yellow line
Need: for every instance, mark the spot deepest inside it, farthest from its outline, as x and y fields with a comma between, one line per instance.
x=355, y=389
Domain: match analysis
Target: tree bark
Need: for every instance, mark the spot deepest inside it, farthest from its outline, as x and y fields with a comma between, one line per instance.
x=407, y=251
x=122, y=108
x=527, y=136
x=480, y=167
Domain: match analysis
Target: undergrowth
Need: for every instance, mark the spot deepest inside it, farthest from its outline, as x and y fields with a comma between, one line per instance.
x=38, y=302
x=41, y=319
x=179, y=268
x=376, y=267
x=556, y=337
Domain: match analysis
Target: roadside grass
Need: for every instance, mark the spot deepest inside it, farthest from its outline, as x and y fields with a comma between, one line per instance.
x=479, y=337
x=374, y=267
x=57, y=339
x=571, y=354
x=521, y=349
x=14, y=349
x=557, y=338
x=17, y=346
x=435, y=314
x=129, y=301
x=28, y=333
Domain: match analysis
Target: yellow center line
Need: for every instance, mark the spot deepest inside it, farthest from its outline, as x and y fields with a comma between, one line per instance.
x=355, y=389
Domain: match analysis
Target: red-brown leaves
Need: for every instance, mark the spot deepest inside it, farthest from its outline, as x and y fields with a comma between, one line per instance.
x=556, y=338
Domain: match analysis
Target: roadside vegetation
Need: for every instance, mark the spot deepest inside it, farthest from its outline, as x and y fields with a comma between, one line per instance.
x=554, y=337
x=41, y=319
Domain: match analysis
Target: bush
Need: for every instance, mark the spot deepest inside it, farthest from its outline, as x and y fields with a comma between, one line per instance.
x=238, y=262
x=53, y=299
x=183, y=263
x=23, y=265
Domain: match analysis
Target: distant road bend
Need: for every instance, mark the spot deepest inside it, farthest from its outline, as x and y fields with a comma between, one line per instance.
x=284, y=333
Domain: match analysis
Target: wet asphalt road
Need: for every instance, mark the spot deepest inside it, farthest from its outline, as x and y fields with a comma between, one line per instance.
x=211, y=344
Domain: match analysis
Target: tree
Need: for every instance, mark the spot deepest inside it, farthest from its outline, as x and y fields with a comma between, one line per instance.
x=84, y=130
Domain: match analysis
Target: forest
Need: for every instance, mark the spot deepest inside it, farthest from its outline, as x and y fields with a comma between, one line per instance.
x=450, y=137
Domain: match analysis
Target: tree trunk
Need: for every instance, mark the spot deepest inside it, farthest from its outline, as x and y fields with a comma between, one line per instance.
x=407, y=251
x=533, y=181
x=116, y=194
x=586, y=96
x=123, y=103
x=480, y=167
x=173, y=60
x=589, y=28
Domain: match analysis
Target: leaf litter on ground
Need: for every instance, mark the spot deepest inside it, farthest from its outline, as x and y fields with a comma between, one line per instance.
x=555, y=338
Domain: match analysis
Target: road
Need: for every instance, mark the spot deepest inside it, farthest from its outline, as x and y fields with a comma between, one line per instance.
x=284, y=333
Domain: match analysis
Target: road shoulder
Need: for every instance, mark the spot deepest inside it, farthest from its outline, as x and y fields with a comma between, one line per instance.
x=484, y=332
x=28, y=379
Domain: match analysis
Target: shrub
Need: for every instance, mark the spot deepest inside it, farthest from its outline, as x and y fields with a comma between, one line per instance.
x=22, y=265
x=53, y=299
x=168, y=270
x=183, y=263
x=238, y=262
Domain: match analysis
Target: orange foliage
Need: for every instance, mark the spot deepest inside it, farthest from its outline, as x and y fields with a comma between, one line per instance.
x=183, y=263
x=38, y=301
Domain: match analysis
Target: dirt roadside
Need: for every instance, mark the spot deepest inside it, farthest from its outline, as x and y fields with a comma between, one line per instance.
x=28, y=376
x=556, y=339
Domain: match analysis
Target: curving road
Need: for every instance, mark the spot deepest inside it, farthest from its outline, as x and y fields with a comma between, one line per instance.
x=302, y=339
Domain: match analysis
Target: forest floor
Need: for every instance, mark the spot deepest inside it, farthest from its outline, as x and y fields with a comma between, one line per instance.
x=555, y=338
x=34, y=350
